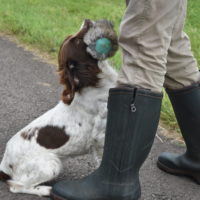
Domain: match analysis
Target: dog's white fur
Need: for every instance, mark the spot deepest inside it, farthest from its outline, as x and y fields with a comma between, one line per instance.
x=30, y=164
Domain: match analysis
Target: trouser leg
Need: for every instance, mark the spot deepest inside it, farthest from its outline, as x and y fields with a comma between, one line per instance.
x=182, y=70
x=127, y=2
x=145, y=37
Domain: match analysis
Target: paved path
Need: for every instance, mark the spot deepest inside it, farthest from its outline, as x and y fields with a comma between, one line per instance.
x=29, y=87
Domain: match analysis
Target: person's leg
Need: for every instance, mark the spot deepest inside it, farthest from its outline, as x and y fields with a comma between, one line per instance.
x=146, y=32
x=133, y=107
x=127, y=2
x=182, y=70
x=182, y=85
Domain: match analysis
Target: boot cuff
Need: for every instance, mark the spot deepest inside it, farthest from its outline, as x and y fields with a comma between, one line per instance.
x=132, y=90
x=183, y=90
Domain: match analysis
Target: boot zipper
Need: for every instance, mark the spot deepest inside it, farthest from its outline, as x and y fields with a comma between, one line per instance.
x=133, y=107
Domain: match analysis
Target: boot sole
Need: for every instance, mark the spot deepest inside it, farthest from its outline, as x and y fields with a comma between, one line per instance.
x=193, y=175
x=55, y=197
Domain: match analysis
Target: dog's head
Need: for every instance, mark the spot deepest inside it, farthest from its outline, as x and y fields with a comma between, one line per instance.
x=77, y=68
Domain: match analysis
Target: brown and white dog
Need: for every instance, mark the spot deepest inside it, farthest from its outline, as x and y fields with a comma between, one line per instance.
x=74, y=126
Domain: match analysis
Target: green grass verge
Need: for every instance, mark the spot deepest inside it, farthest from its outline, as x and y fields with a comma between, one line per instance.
x=45, y=23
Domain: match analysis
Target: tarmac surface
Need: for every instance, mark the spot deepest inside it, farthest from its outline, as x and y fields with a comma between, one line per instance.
x=29, y=87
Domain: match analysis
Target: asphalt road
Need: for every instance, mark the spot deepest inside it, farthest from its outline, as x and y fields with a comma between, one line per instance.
x=29, y=87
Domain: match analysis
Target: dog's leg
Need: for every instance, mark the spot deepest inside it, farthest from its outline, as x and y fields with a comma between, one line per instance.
x=96, y=158
x=97, y=148
x=4, y=167
x=16, y=187
x=98, y=133
x=30, y=174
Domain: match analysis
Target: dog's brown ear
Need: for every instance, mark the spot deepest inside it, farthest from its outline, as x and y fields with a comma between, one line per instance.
x=73, y=61
x=62, y=58
x=64, y=72
x=69, y=91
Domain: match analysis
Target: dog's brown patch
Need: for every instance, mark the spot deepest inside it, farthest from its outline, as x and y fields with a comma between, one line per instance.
x=52, y=137
x=4, y=177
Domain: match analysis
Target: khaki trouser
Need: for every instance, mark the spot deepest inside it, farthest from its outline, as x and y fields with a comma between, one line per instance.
x=156, y=51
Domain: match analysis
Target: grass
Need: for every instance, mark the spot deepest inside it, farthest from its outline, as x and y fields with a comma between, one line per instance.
x=192, y=27
x=43, y=24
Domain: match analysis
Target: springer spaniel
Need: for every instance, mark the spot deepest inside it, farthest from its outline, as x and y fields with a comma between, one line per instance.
x=74, y=126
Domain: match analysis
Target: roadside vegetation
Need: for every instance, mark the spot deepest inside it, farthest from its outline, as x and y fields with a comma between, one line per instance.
x=43, y=24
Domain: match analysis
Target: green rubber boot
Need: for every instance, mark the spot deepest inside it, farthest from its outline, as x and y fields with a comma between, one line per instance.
x=186, y=104
x=133, y=116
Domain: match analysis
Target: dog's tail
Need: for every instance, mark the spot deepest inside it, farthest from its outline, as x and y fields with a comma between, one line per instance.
x=4, y=177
